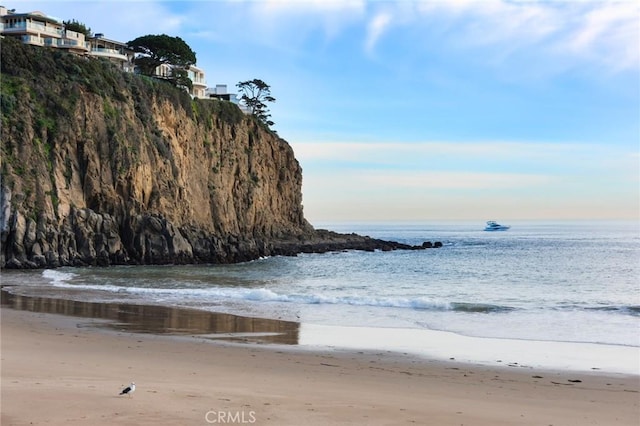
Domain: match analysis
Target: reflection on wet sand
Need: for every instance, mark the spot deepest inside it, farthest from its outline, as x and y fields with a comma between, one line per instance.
x=162, y=319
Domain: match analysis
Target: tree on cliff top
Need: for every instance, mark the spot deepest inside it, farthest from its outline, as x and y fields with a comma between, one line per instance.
x=78, y=27
x=155, y=50
x=254, y=95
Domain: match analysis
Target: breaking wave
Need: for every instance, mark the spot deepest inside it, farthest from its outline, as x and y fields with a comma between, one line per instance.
x=216, y=294
x=57, y=277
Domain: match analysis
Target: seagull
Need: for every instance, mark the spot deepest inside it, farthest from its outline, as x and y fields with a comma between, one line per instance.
x=129, y=389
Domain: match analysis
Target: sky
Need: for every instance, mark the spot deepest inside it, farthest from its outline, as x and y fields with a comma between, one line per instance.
x=423, y=111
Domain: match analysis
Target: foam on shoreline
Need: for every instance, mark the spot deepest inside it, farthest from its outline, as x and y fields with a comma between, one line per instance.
x=440, y=345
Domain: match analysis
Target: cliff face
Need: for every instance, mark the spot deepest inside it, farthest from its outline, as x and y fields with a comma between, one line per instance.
x=103, y=167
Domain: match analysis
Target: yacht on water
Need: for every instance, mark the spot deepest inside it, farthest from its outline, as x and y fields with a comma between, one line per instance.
x=492, y=225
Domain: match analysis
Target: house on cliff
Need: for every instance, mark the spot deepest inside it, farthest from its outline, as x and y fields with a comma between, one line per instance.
x=195, y=74
x=220, y=92
x=38, y=29
x=114, y=51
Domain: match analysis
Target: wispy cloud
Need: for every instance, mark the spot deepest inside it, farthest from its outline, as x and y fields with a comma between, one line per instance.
x=511, y=168
x=449, y=180
x=377, y=25
x=310, y=6
x=555, y=36
x=609, y=34
x=406, y=195
x=603, y=33
x=460, y=152
x=489, y=22
x=304, y=16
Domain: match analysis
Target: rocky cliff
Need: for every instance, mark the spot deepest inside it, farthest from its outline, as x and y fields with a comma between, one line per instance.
x=103, y=167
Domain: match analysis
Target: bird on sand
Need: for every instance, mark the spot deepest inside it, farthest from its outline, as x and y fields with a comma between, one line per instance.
x=129, y=389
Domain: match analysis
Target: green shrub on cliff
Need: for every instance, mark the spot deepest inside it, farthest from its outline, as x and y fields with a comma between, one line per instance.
x=155, y=50
x=77, y=26
x=59, y=75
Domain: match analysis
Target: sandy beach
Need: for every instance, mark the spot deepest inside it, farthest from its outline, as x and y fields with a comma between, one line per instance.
x=62, y=370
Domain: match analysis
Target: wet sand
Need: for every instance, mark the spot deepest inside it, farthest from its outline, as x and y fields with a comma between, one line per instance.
x=68, y=369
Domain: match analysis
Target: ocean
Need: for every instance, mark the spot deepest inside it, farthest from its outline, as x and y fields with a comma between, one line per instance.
x=540, y=288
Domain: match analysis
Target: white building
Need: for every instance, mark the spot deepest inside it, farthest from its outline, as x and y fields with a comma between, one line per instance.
x=196, y=75
x=114, y=51
x=220, y=92
x=38, y=29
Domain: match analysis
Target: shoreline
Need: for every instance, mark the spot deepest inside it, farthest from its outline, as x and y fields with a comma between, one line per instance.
x=74, y=366
x=570, y=357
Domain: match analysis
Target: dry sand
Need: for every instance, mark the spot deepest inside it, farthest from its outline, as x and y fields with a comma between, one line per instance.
x=59, y=370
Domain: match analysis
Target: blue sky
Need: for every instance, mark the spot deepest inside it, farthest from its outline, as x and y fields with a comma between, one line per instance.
x=426, y=110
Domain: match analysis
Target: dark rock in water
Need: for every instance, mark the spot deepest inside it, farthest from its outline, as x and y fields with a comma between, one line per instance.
x=429, y=244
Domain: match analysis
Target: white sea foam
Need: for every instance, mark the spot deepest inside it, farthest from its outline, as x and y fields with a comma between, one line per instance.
x=256, y=295
x=266, y=295
x=57, y=277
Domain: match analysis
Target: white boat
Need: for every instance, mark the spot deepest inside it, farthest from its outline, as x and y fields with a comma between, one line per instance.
x=492, y=225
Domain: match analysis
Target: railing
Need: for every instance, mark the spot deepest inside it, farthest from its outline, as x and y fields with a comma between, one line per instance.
x=30, y=39
x=105, y=51
x=196, y=78
x=26, y=26
x=72, y=43
x=112, y=53
x=65, y=43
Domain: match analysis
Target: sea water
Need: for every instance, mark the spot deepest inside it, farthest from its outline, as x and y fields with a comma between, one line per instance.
x=569, y=283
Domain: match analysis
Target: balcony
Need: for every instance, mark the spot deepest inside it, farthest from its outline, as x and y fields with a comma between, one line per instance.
x=200, y=83
x=64, y=43
x=108, y=53
x=33, y=40
x=32, y=27
x=197, y=78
